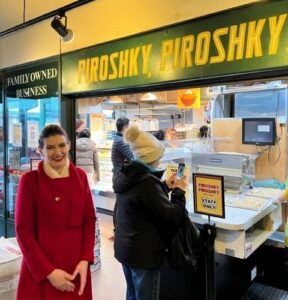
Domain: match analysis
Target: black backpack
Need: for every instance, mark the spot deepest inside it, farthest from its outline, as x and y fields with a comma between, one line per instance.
x=184, y=250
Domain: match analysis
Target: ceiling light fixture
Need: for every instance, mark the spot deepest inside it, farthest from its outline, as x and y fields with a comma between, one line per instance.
x=65, y=33
x=115, y=99
x=148, y=97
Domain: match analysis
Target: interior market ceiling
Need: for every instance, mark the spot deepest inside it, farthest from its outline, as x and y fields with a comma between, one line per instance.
x=15, y=12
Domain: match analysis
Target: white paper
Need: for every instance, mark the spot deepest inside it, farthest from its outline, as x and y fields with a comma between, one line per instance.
x=8, y=250
x=17, y=134
x=32, y=134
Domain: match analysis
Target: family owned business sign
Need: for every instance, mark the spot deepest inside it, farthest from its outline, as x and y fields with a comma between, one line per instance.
x=34, y=82
x=252, y=38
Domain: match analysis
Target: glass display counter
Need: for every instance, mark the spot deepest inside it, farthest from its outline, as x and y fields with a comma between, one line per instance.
x=102, y=191
x=176, y=151
x=105, y=166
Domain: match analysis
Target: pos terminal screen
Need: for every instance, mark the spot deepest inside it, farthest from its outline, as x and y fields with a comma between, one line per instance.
x=258, y=131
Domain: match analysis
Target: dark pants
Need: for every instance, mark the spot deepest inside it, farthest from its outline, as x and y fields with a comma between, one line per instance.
x=142, y=284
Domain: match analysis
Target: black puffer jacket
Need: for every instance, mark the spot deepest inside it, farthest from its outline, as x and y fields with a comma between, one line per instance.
x=146, y=219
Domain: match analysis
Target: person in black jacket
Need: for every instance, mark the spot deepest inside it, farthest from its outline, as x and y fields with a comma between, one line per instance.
x=120, y=150
x=146, y=219
x=120, y=153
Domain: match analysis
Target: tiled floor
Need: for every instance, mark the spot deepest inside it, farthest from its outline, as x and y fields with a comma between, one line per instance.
x=108, y=283
x=260, y=291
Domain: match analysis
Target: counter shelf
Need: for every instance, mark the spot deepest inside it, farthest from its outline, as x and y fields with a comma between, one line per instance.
x=243, y=230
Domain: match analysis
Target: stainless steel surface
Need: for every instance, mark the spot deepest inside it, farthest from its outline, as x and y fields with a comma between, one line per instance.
x=238, y=169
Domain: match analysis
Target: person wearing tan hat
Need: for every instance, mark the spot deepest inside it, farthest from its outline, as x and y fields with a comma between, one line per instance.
x=146, y=219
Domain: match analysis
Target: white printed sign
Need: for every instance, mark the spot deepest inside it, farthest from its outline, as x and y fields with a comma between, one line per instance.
x=17, y=134
x=32, y=134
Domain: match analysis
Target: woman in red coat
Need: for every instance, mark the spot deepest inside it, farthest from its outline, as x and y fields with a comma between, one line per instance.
x=55, y=225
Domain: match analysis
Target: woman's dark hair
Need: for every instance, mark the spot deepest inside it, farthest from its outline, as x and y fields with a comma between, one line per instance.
x=85, y=133
x=160, y=134
x=204, y=131
x=51, y=130
x=121, y=123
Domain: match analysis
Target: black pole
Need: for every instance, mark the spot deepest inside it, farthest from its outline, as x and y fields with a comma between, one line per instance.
x=209, y=235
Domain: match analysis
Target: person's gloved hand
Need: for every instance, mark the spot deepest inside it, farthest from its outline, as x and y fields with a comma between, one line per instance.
x=282, y=198
x=170, y=181
x=181, y=183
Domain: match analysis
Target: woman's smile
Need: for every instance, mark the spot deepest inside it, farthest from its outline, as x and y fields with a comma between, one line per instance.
x=56, y=151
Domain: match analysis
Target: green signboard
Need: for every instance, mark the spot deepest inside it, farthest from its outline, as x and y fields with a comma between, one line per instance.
x=252, y=38
x=33, y=82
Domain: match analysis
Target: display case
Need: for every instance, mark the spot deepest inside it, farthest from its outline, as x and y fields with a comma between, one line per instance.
x=244, y=229
x=105, y=166
x=176, y=151
x=102, y=191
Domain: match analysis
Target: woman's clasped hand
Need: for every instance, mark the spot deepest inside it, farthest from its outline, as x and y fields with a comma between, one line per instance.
x=62, y=280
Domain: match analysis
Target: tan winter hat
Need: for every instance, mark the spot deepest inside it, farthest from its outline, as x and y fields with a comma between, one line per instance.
x=144, y=145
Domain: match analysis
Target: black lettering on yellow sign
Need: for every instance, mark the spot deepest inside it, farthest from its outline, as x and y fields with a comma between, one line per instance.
x=209, y=203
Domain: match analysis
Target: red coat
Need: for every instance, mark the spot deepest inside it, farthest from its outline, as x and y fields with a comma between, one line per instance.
x=55, y=228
